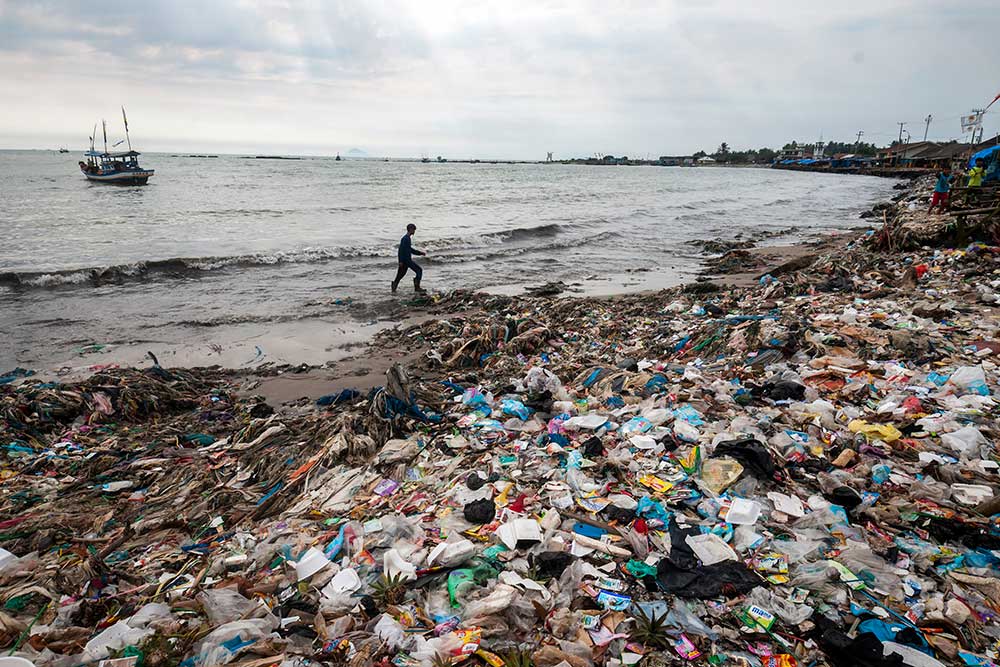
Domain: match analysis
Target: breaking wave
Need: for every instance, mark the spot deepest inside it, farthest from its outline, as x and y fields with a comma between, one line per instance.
x=500, y=243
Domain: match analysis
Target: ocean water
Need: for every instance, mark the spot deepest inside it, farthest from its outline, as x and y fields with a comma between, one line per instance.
x=210, y=246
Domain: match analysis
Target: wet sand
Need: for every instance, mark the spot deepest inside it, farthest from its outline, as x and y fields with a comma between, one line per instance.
x=365, y=367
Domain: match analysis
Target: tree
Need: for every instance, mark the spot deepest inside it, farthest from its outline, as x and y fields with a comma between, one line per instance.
x=723, y=149
x=699, y=155
x=766, y=155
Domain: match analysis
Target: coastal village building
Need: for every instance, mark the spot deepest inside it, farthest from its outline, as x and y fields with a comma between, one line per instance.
x=930, y=153
x=796, y=152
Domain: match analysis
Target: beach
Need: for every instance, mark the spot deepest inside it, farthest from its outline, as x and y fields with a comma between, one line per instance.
x=534, y=466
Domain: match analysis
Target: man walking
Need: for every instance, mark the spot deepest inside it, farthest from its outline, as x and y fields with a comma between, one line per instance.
x=406, y=252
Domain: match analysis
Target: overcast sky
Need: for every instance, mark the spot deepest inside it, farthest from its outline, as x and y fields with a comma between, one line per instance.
x=505, y=79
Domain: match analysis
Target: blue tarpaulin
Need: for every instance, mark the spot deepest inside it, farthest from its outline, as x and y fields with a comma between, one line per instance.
x=983, y=154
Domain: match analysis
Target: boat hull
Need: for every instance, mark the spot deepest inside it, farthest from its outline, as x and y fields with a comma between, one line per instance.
x=121, y=177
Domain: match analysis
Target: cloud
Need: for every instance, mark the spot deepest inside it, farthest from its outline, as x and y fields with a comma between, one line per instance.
x=490, y=79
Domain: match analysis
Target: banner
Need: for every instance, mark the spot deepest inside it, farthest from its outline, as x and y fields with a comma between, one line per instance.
x=972, y=122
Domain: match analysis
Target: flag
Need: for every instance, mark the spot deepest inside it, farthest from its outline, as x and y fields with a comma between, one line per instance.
x=104, y=125
x=994, y=100
x=972, y=122
x=125, y=119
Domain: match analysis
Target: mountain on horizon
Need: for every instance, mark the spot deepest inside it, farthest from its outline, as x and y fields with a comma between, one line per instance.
x=357, y=152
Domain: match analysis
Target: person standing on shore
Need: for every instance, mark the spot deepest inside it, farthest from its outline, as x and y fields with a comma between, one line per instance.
x=942, y=189
x=405, y=256
x=976, y=174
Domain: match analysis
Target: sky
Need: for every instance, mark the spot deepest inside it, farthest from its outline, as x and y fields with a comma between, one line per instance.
x=505, y=80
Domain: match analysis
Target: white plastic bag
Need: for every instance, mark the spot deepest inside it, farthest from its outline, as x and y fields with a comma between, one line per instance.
x=965, y=441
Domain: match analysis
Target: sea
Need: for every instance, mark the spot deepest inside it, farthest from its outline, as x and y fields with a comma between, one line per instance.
x=240, y=261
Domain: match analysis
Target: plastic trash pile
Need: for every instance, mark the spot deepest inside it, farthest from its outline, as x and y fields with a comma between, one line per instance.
x=798, y=473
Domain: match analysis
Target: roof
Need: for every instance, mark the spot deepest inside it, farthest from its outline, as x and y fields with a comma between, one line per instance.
x=122, y=154
x=945, y=151
x=916, y=145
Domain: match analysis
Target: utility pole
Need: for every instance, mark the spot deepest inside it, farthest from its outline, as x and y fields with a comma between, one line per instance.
x=927, y=126
x=901, y=130
x=857, y=144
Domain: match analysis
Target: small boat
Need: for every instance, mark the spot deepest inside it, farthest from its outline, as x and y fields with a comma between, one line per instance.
x=117, y=168
x=64, y=150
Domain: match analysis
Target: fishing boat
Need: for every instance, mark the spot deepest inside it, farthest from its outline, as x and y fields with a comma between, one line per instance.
x=121, y=168
x=64, y=150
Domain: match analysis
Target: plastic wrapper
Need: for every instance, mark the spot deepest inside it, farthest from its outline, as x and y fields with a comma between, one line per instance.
x=718, y=474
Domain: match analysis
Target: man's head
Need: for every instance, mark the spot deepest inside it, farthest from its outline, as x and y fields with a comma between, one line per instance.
x=946, y=169
x=410, y=228
x=980, y=162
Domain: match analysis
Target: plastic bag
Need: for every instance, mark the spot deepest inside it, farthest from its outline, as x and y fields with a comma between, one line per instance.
x=970, y=379
x=390, y=631
x=221, y=646
x=818, y=577
x=539, y=380
x=682, y=617
x=113, y=638
x=788, y=611
x=151, y=614
x=499, y=599
x=966, y=441
x=224, y=605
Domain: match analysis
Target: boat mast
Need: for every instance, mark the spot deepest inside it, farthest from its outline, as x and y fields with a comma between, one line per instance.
x=125, y=118
x=104, y=125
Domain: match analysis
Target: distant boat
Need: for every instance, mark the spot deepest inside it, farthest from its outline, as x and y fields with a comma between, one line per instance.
x=64, y=150
x=120, y=168
x=338, y=157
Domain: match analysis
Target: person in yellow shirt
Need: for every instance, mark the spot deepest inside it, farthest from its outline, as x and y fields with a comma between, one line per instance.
x=976, y=174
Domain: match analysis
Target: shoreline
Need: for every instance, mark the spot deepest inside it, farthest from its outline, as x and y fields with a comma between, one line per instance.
x=333, y=340
x=367, y=370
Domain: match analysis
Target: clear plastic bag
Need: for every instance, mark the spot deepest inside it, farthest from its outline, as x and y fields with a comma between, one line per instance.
x=217, y=647
x=225, y=605
x=390, y=631
x=681, y=617
x=788, y=611
x=495, y=602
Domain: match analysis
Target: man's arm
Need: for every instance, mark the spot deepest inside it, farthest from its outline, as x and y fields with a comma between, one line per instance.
x=417, y=252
